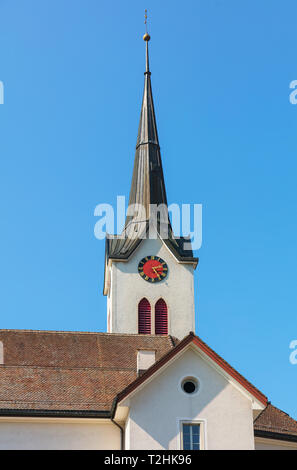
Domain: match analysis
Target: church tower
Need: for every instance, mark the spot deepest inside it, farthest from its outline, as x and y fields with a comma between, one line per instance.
x=149, y=275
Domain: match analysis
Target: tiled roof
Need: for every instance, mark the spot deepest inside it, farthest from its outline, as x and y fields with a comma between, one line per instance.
x=75, y=372
x=273, y=420
x=70, y=370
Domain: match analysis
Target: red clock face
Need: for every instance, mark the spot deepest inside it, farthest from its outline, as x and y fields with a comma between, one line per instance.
x=152, y=269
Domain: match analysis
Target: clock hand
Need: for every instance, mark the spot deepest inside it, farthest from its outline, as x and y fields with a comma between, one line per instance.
x=156, y=272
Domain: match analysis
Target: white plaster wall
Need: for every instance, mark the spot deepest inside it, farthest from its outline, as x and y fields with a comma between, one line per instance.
x=272, y=444
x=128, y=288
x=145, y=359
x=157, y=409
x=54, y=435
x=109, y=301
x=127, y=434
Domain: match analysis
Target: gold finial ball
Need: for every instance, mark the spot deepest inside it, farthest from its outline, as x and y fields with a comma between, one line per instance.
x=146, y=37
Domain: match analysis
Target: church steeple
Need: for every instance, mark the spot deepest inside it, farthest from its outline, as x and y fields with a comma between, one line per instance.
x=149, y=272
x=148, y=185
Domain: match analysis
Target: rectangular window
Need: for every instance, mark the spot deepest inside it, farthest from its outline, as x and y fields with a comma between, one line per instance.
x=191, y=436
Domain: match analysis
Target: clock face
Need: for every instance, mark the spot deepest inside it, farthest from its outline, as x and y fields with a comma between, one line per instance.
x=152, y=269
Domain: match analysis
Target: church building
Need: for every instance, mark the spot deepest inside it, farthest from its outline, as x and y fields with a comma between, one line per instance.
x=149, y=382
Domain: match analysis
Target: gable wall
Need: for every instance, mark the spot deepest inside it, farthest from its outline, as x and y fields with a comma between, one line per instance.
x=157, y=409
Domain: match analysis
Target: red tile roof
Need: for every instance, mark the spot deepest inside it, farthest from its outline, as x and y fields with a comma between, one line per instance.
x=273, y=420
x=70, y=370
x=74, y=372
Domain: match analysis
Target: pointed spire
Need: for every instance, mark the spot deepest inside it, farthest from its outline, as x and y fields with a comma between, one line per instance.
x=147, y=131
x=148, y=185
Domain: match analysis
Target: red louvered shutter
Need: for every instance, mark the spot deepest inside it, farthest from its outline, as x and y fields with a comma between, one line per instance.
x=161, y=318
x=144, y=317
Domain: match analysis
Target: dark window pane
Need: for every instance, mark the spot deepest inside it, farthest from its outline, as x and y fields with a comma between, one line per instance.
x=187, y=445
x=195, y=430
x=186, y=429
x=191, y=436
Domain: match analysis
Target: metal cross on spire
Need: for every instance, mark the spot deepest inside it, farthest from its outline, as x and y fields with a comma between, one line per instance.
x=146, y=38
x=145, y=20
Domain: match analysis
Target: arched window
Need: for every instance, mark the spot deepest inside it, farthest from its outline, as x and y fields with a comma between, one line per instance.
x=161, y=318
x=144, y=317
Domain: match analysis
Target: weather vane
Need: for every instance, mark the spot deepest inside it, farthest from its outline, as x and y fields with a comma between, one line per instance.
x=146, y=37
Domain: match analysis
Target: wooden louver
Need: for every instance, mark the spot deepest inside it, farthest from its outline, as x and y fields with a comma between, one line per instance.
x=144, y=317
x=161, y=318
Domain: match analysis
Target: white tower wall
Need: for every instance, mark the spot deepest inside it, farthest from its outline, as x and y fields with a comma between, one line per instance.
x=127, y=288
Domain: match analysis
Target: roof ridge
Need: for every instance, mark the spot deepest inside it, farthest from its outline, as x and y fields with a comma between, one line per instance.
x=101, y=333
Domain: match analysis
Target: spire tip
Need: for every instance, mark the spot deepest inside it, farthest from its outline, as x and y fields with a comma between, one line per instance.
x=146, y=37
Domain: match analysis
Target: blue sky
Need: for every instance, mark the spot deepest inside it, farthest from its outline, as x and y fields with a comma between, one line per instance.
x=73, y=80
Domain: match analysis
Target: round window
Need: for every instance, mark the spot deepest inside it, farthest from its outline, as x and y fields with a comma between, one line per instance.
x=189, y=385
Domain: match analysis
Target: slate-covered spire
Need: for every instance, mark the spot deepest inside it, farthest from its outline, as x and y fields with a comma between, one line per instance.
x=147, y=188
x=148, y=185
